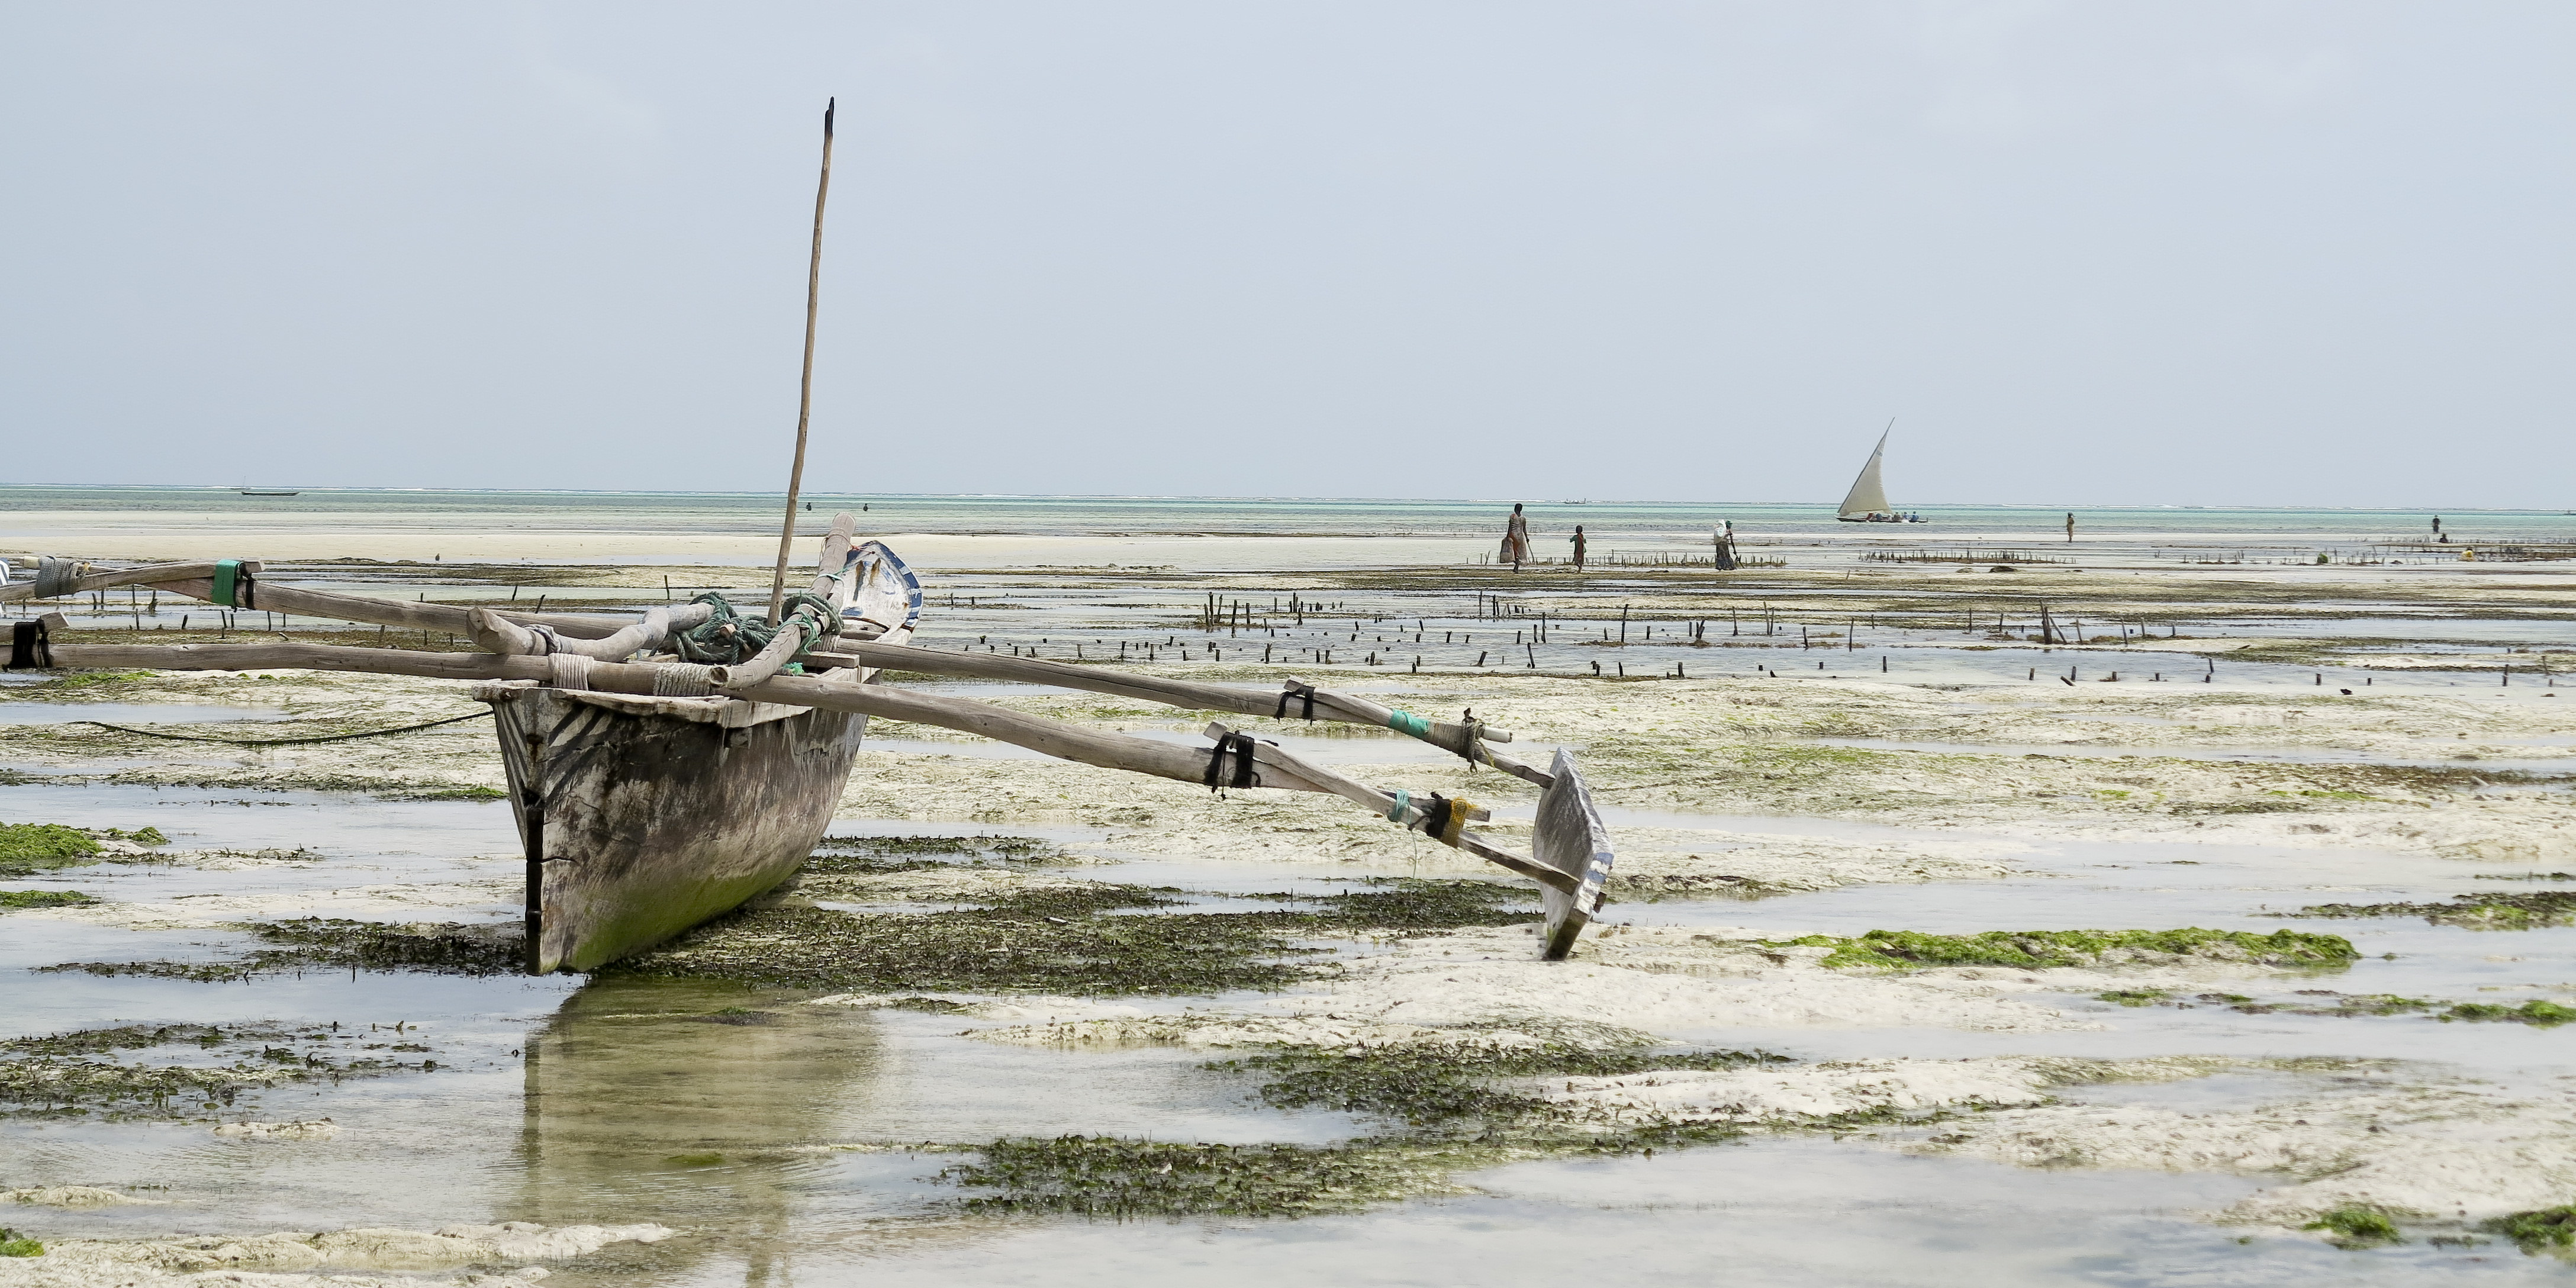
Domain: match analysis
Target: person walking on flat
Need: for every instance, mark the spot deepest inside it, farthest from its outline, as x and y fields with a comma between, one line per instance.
x=1578, y=547
x=1516, y=538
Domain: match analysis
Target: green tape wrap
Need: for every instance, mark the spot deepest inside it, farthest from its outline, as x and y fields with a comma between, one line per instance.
x=227, y=576
x=1403, y=802
x=1406, y=722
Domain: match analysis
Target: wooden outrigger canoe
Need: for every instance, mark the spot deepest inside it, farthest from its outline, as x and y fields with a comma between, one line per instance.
x=645, y=815
x=654, y=794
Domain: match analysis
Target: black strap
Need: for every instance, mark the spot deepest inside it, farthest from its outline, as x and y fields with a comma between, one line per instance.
x=246, y=589
x=28, y=645
x=1241, y=744
x=1435, y=815
x=1304, y=691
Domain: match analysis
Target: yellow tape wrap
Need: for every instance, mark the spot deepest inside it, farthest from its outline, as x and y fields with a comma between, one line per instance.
x=1459, y=809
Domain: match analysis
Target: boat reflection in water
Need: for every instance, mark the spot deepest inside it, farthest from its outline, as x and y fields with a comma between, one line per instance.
x=681, y=1102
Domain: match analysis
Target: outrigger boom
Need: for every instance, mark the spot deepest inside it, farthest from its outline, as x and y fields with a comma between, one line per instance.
x=660, y=698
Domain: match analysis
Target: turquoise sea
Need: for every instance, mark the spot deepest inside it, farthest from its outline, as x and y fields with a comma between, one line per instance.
x=1312, y=516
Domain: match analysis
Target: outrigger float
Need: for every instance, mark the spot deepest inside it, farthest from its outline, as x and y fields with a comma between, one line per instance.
x=665, y=769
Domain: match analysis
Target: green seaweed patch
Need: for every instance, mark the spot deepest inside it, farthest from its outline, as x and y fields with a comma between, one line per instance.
x=2537, y=1013
x=877, y=855
x=44, y=898
x=1040, y=941
x=927, y=1005
x=29, y=848
x=1411, y=903
x=78, y=681
x=2356, y=1226
x=332, y=943
x=2134, y=996
x=14, y=1244
x=2485, y=910
x=441, y=792
x=1108, y=1176
x=1425, y=1087
x=2537, y=1231
x=64, y=1076
x=2033, y=949
x=1064, y=940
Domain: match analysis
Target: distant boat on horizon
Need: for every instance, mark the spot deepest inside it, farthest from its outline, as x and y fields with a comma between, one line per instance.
x=1867, y=500
x=267, y=491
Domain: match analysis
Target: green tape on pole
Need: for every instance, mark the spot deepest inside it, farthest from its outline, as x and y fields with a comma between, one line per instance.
x=1406, y=722
x=227, y=574
x=1403, y=802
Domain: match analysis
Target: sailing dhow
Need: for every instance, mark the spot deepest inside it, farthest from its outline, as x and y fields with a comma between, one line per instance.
x=1867, y=500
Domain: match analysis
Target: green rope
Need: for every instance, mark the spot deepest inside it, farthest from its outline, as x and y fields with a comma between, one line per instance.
x=282, y=742
x=728, y=637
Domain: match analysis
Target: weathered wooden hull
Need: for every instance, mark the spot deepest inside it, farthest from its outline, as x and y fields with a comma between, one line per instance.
x=644, y=817
x=1571, y=838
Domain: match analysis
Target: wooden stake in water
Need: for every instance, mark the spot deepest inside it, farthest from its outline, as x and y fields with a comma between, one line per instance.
x=805, y=393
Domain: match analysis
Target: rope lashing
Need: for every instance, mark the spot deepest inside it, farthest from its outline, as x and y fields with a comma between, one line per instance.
x=1472, y=744
x=569, y=670
x=235, y=586
x=1296, y=690
x=283, y=742
x=1403, y=802
x=680, y=680
x=548, y=643
x=29, y=645
x=1241, y=746
x=54, y=577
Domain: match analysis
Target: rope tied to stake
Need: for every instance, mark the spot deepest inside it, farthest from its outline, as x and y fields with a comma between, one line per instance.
x=29, y=645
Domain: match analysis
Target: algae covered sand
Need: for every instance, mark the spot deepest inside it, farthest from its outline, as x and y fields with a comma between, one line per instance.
x=1889, y=881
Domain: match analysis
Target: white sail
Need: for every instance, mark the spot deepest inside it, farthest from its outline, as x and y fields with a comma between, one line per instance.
x=1867, y=497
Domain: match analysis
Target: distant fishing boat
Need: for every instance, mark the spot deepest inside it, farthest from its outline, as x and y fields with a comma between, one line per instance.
x=265, y=491
x=1867, y=500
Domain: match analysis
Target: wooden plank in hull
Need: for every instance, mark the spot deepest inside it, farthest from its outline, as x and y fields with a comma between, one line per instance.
x=640, y=826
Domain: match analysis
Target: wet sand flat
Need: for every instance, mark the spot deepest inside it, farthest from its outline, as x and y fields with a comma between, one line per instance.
x=1988, y=912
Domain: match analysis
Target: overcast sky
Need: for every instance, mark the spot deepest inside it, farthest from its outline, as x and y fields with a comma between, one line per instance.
x=2085, y=253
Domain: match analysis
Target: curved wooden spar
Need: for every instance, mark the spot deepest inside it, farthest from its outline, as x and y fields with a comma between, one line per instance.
x=148, y=574
x=1465, y=740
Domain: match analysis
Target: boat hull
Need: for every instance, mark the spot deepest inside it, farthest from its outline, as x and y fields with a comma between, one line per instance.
x=642, y=818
